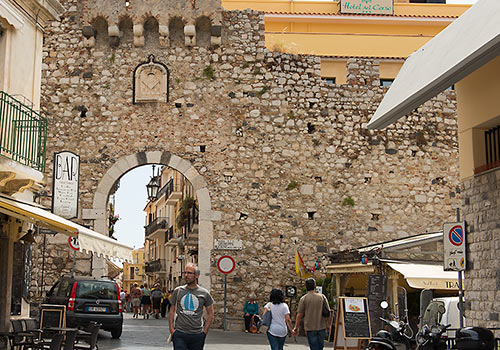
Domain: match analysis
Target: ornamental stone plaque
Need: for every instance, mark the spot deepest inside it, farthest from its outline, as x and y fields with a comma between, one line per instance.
x=151, y=82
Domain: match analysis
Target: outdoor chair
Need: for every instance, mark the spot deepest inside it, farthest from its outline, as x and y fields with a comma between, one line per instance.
x=69, y=340
x=54, y=344
x=90, y=337
x=21, y=338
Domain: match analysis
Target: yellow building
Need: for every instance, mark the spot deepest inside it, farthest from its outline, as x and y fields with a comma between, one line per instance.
x=171, y=231
x=134, y=272
x=325, y=29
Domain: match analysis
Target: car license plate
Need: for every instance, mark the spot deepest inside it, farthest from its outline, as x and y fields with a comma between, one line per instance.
x=97, y=309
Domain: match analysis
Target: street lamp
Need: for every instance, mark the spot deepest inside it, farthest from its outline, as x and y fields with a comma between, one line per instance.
x=153, y=186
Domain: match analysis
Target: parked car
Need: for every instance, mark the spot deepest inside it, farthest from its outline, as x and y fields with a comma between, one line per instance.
x=89, y=299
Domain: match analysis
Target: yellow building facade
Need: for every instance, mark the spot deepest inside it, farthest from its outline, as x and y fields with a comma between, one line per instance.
x=134, y=272
x=320, y=28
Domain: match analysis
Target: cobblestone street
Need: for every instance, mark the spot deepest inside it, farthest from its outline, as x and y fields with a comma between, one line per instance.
x=152, y=334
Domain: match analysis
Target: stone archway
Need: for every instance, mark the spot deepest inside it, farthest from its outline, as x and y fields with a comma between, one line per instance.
x=206, y=215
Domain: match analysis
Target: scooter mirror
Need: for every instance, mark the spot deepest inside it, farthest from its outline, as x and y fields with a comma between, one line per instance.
x=384, y=304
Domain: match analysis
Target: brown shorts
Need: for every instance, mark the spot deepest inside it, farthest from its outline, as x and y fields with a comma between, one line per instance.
x=136, y=302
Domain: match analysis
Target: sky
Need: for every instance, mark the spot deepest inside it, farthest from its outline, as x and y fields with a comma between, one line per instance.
x=130, y=200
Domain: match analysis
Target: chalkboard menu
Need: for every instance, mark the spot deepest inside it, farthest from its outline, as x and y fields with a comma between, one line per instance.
x=356, y=318
x=377, y=286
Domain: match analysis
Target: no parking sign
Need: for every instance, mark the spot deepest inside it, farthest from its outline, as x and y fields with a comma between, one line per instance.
x=454, y=246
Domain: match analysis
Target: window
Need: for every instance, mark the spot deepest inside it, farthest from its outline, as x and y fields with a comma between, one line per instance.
x=329, y=80
x=386, y=82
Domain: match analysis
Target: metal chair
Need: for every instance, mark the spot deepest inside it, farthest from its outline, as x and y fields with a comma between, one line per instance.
x=70, y=339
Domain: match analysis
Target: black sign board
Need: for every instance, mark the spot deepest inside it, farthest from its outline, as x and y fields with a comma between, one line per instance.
x=377, y=286
x=356, y=321
x=352, y=322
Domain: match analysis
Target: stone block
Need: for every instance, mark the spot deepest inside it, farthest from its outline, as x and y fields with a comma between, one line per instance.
x=138, y=41
x=88, y=214
x=138, y=29
x=215, y=40
x=189, y=41
x=163, y=30
x=307, y=189
x=183, y=166
x=189, y=30
x=204, y=201
x=113, y=30
x=154, y=157
x=89, y=42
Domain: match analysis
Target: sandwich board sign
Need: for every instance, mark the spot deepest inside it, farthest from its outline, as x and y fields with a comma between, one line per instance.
x=454, y=246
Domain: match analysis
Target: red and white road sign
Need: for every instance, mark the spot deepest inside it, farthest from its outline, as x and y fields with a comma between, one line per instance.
x=454, y=246
x=74, y=243
x=226, y=264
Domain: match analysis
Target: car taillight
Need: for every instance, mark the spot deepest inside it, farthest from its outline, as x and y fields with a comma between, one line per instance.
x=72, y=297
x=120, y=308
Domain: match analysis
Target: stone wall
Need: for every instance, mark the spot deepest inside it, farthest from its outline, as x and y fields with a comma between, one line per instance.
x=482, y=278
x=287, y=159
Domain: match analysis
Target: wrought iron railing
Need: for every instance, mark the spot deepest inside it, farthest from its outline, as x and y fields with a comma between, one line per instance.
x=492, y=150
x=156, y=224
x=156, y=266
x=23, y=133
x=169, y=187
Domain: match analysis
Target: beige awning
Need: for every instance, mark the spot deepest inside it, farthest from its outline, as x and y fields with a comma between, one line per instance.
x=37, y=216
x=90, y=241
x=426, y=276
x=468, y=43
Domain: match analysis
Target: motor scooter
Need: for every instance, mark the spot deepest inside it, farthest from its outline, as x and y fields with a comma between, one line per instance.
x=399, y=335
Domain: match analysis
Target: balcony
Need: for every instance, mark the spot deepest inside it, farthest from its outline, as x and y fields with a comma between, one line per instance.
x=23, y=133
x=169, y=234
x=158, y=266
x=172, y=192
x=155, y=225
x=491, y=149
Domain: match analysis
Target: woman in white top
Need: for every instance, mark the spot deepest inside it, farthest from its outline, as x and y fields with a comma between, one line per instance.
x=277, y=332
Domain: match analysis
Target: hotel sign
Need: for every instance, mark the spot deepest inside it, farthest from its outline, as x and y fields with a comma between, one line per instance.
x=372, y=7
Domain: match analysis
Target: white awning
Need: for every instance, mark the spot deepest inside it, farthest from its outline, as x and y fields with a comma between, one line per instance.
x=90, y=241
x=426, y=276
x=468, y=43
x=101, y=245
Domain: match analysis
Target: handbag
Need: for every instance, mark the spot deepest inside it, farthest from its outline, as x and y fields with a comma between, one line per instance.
x=325, y=311
x=266, y=319
x=253, y=326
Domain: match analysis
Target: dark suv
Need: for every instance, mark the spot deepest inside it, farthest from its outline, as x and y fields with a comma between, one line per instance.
x=89, y=299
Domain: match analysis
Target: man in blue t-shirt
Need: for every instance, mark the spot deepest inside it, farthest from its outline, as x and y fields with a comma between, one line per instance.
x=189, y=331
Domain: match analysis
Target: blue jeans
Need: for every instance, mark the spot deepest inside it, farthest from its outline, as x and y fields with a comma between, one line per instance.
x=316, y=339
x=185, y=341
x=276, y=343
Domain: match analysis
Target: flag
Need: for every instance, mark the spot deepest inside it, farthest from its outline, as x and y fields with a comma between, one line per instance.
x=300, y=268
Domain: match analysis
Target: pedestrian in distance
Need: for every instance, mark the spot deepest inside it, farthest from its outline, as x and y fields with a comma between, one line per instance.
x=251, y=313
x=280, y=322
x=156, y=300
x=311, y=310
x=165, y=301
x=187, y=302
x=123, y=294
x=136, y=295
x=146, y=301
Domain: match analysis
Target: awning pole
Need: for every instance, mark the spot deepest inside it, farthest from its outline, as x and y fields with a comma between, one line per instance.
x=460, y=288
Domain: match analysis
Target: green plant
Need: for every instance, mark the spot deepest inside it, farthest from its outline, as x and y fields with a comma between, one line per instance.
x=256, y=71
x=177, y=81
x=112, y=58
x=348, y=201
x=183, y=214
x=208, y=72
x=262, y=91
x=316, y=142
x=291, y=185
x=245, y=65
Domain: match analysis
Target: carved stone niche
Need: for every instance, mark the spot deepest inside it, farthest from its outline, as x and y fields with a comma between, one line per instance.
x=151, y=80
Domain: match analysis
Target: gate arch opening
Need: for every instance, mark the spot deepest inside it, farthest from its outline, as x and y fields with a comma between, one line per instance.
x=206, y=215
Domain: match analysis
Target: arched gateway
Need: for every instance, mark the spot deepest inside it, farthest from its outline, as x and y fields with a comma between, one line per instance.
x=206, y=215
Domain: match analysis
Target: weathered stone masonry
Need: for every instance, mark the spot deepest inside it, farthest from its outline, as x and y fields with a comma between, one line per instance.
x=282, y=150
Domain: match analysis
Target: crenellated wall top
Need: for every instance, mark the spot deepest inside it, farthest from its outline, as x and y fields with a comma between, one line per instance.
x=139, y=10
